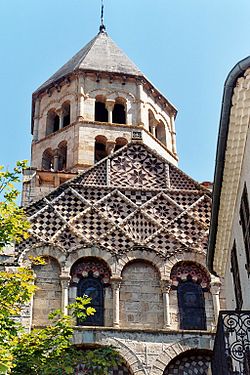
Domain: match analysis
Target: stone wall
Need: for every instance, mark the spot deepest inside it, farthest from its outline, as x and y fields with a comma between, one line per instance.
x=47, y=297
x=140, y=296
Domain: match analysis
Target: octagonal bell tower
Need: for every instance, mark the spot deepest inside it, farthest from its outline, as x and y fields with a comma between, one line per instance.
x=92, y=106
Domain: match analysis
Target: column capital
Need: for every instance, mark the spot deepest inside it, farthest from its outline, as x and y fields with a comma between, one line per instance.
x=166, y=286
x=109, y=104
x=215, y=287
x=115, y=282
x=65, y=280
x=110, y=145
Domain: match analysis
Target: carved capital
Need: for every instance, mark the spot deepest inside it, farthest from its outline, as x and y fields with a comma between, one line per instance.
x=215, y=287
x=65, y=280
x=166, y=286
x=109, y=104
x=115, y=282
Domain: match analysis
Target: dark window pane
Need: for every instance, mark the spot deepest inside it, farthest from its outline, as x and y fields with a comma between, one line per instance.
x=191, y=306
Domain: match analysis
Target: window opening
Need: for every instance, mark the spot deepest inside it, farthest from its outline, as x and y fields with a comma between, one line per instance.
x=191, y=305
x=236, y=278
x=100, y=148
x=92, y=287
x=245, y=225
x=52, y=122
x=160, y=133
x=66, y=114
x=120, y=142
x=62, y=156
x=119, y=115
x=47, y=160
x=101, y=113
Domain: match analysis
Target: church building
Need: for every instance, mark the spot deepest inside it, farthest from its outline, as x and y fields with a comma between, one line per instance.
x=116, y=218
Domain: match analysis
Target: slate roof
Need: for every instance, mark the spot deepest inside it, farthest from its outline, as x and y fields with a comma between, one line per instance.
x=101, y=54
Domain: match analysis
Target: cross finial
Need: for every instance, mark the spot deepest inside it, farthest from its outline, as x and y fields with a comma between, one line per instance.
x=102, y=27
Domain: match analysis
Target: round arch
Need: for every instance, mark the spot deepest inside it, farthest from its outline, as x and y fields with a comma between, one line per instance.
x=43, y=251
x=144, y=255
x=197, y=257
x=173, y=351
x=191, y=362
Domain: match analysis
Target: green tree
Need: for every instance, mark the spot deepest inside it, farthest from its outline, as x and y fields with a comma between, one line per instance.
x=47, y=350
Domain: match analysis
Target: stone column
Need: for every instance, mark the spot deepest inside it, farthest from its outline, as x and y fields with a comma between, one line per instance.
x=56, y=160
x=115, y=284
x=60, y=114
x=166, y=287
x=110, y=103
x=140, y=102
x=215, y=291
x=110, y=146
x=65, y=279
x=173, y=134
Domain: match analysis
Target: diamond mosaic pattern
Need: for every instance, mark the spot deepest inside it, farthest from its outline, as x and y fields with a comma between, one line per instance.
x=92, y=226
x=162, y=208
x=117, y=207
x=202, y=211
x=188, y=230
x=178, y=180
x=166, y=245
x=95, y=176
x=139, y=227
x=117, y=242
x=47, y=223
x=69, y=205
x=148, y=212
x=136, y=167
x=189, y=365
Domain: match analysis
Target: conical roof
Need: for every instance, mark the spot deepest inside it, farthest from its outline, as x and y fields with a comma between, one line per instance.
x=101, y=54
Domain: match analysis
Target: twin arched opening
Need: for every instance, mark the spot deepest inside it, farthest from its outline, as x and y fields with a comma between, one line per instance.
x=157, y=128
x=103, y=147
x=58, y=119
x=55, y=160
x=113, y=111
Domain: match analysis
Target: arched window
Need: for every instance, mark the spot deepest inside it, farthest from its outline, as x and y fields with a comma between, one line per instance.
x=62, y=156
x=191, y=362
x=52, y=122
x=48, y=160
x=65, y=114
x=100, y=148
x=191, y=305
x=191, y=280
x=91, y=276
x=119, y=113
x=120, y=142
x=151, y=122
x=160, y=132
x=101, y=113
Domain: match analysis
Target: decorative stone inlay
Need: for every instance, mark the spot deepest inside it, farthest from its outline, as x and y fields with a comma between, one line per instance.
x=195, y=271
x=93, y=267
x=189, y=365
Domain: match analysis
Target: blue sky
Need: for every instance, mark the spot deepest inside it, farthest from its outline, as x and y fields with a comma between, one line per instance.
x=185, y=47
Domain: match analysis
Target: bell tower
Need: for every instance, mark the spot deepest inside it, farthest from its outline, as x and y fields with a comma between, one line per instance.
x=92, y=106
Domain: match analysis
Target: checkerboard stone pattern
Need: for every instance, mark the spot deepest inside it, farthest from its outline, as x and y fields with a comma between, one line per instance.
x=189, y=365
x=139, y=200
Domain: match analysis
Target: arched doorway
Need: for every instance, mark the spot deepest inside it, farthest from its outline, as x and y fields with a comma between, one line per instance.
x=193, y=362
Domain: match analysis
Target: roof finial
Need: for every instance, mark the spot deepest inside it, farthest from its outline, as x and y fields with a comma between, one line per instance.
x=102, y=27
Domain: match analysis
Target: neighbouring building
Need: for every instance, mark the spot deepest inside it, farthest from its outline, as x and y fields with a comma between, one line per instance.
x=116, y=218
x=229, y=239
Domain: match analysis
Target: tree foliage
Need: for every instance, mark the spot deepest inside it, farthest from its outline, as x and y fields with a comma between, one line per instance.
x=13, y=224
x=47, y=350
